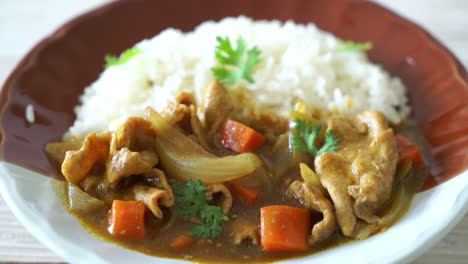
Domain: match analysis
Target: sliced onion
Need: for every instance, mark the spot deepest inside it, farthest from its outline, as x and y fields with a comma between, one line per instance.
x=81, y=202
x=403, y=170
x=184, y=159
x=401, y=200
x=310, y=177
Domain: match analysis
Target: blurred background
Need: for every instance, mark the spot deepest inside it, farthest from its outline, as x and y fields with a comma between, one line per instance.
x=25, y=22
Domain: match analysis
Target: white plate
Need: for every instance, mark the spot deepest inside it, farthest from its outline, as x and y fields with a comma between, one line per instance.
x=31, y=197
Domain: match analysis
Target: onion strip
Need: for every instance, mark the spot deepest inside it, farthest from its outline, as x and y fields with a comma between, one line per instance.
x=183, y=159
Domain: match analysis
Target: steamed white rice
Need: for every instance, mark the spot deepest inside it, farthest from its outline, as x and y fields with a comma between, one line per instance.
x=301, y=62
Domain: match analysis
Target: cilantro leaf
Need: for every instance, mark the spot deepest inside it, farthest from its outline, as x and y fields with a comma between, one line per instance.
x=354, y=46
x=303, y=138
x=210, y=226
x=331, y=143
x=190, y=198
x=124, y=57
x=236, y=64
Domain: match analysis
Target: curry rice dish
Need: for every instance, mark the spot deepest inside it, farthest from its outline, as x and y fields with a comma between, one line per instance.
x=271, y=142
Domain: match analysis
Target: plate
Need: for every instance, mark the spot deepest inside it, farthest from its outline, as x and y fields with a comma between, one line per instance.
x=55, y=72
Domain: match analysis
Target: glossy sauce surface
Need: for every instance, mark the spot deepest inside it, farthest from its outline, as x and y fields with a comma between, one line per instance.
x=159, y=233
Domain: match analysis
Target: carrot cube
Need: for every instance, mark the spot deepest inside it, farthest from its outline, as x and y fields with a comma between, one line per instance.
x=284, y=228
x=240, y=138
x=127, y=219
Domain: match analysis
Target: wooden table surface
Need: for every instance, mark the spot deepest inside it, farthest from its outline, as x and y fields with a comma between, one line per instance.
x=24, y=22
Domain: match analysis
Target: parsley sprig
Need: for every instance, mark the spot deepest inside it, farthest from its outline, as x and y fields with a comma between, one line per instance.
x=354, y=46
x=303, y=138
x=236, y=64
x=126, y=56
x=190, y=198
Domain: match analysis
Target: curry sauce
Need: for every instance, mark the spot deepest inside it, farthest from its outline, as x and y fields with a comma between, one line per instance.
x=354, y=184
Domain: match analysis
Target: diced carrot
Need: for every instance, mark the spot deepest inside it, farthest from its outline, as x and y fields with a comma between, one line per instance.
x=247, y=194
x=240, y=138
x=284, y=228
x=408, y=151
x=182, y=242
x=127, y=219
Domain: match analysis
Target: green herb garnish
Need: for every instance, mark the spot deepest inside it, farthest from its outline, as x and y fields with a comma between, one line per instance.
x=303, y=138
x=190, y=198
x=354, y=46
x=236, y=64
x=124, y=57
